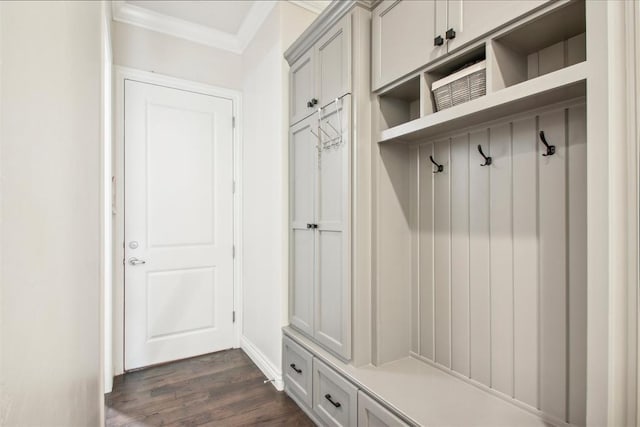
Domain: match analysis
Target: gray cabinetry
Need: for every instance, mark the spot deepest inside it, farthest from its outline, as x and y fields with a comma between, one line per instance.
x=322, y=73
x=407, y=35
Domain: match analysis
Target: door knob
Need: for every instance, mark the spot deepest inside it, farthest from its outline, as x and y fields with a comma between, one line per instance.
x=136, y=261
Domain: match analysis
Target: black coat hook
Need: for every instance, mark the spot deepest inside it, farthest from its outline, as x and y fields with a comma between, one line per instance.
x=551, y=149
x=487, y=160
x=440, y=167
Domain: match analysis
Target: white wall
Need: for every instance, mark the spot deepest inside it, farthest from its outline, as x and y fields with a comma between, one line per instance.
x=50, y=139
x=264, y=183
x=147, y=50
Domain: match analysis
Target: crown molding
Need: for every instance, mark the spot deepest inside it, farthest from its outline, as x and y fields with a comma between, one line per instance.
x=329, y=16
x=154, y=21
x=315, y=6
x=258, y=13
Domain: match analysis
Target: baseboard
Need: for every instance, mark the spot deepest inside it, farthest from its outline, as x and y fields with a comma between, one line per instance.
x=267, y=368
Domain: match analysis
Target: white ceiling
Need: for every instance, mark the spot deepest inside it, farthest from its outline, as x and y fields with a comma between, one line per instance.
x=223, y=15
x=224, y=24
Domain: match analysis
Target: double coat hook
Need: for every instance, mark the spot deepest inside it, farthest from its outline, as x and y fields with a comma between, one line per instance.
x=551, y=149
x=487, y=160
x=440, y=168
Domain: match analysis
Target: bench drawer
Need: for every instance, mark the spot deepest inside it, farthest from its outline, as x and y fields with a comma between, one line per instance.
x=335, y=399
x=297, y=371
x=373, y=414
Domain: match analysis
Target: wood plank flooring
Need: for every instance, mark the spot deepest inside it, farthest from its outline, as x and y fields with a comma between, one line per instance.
x=218, y=389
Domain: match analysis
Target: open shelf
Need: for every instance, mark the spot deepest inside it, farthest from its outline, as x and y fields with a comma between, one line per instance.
x=564, y=84
x=544, y=45
x=400, y=104
x=446, y=69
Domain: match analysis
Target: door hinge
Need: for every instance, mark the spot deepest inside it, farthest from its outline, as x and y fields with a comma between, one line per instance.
x=233, y=251
x=233, y=122
x=233, y=316
x=233, y=187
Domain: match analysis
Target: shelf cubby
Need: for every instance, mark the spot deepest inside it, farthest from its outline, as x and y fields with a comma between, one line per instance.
x=549, y=43
x=446, y=69
x=400, y=104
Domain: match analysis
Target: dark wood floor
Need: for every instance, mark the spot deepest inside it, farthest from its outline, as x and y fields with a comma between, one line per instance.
x=218, y=389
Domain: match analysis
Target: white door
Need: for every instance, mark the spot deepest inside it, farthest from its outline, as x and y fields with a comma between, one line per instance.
x=178, y=224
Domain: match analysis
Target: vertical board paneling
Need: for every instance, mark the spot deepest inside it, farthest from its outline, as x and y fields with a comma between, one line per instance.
x=501, y=242
x=479, y=299
x=442, y=248
x=577, y=164
x=525, y=261
x=553, y=267
x=414, y=201
x=460, y=254
x=425, y=243
x=502, y=259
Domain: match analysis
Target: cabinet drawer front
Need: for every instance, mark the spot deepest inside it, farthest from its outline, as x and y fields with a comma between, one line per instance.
x=373, y=414
x=334, y=398
x=297, y=371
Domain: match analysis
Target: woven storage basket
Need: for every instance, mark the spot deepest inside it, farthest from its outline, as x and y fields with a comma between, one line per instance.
x=460, y=87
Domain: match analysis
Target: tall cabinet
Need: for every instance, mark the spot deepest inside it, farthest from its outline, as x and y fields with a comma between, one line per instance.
x=322, y=142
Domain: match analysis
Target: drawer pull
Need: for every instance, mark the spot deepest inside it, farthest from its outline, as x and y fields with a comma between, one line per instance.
x=336, y=404
x=293, y=366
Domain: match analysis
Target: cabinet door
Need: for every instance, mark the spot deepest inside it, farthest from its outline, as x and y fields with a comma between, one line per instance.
x=333, y=64
x=333, y=260
x=403, y=33
x=471, y=19
x=302, y=87
x=303, y=161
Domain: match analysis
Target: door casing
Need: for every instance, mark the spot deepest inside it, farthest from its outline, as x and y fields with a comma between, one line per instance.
x=124, y=73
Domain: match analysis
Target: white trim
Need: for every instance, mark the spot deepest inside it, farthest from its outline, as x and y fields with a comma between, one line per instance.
x=315, y=6
x=253, y=21
x=106, y=225
x=120, y=75
x=176, y=27
x=262, y=362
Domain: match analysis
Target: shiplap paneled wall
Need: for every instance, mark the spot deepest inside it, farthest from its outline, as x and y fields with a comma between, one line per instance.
x=502, y=259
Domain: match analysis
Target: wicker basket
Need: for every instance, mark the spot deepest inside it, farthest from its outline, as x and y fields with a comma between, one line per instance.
x=460, y=87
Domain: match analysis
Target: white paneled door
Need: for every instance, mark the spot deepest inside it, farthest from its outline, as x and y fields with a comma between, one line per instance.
x=178, y=224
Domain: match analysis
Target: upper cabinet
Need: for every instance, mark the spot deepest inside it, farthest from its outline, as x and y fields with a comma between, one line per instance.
x=407, y=35
x=403, y=34
x=322, y=74
x=471, y=19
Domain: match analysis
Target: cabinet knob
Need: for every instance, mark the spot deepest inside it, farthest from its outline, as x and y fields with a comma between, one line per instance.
x=450, y=34
x=312, y=102
x=438, y=41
